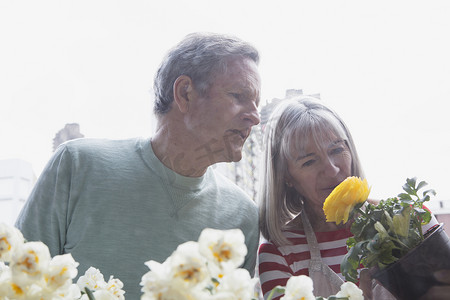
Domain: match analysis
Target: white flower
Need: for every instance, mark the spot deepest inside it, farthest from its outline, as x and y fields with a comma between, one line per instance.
x=350, y=290
x=114, y=286
x=5, y=279
x=100, y=295
x=92, y=279
x=226, y=248
x=188, y=266
x=29, y=262
x=10, y=239
x=157, y=284
x=62, y=269
x=70, y=293
x=157, y=280
x=237, y=285
x=4, y=269
x=8, y=288
x=182, y=276
x=299, y=287
x=34, y=291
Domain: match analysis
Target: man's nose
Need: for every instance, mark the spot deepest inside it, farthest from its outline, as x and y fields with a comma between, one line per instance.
x=252, y=115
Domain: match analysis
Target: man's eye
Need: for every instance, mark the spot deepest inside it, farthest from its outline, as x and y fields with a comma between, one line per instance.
x=236, y=95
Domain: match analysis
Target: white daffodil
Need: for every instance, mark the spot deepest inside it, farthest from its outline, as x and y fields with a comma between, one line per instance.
x=182, y=276
x=10, y=239
x=188, y=266
x=299, y=287
x=29, y=262
x=10, y=290
x=92, y=279
x=238, y=284
x=100, y=295
x=350, y=290
x=226, y=248
x=170, y=294
x=62, y=269
x=114, y=286
x=4, y=270
x=158, y=283
x=70, y=293
x=35, y=291
x=5, y=279
x=157, y=280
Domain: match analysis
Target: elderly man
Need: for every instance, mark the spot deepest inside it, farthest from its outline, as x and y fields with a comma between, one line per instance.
x=116, y=204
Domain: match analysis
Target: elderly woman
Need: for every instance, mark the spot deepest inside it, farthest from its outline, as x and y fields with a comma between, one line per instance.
x=309, y=151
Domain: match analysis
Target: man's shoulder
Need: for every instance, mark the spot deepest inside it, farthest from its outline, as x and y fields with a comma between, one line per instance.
x=89, y=143
x=235, y=196
x=228, y=186
x=98, y=146
x=98, y=152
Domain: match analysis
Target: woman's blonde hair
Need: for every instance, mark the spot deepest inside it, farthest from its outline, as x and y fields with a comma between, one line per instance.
x=290, y=126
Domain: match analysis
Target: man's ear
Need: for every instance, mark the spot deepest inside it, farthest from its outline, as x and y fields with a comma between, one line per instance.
x=182, y=91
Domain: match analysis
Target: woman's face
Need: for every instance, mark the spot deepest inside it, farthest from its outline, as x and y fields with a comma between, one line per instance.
x=315, y=172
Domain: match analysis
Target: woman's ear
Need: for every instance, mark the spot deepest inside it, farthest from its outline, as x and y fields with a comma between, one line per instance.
x=182, y=90
x=287, y=181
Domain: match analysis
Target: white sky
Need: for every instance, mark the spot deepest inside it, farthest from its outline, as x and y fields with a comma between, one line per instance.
x=384, y=66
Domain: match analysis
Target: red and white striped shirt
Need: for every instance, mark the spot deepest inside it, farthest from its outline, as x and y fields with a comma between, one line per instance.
x=277, y=264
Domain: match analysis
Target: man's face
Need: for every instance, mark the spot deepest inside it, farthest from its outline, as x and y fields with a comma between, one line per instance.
x=222, y=119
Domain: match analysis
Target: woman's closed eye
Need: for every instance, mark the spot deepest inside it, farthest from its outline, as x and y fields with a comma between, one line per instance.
x=308, y=163
x=337, y=150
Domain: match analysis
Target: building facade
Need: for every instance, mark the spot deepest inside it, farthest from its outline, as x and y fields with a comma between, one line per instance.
x=16, y=182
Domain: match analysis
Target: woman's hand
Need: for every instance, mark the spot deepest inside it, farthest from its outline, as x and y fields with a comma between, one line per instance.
x=439, y=292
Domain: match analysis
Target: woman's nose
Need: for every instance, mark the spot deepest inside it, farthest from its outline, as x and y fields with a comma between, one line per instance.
x=331, y=168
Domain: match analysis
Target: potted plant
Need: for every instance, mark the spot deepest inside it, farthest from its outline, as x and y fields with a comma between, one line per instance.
x=388, y=236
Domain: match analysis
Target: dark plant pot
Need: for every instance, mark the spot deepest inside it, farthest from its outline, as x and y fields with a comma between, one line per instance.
x=412, y=275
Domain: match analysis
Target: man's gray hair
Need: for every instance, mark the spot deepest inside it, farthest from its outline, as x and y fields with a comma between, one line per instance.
x=199, y=56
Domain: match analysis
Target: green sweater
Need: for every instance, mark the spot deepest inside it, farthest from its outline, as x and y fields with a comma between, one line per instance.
x=113, y=205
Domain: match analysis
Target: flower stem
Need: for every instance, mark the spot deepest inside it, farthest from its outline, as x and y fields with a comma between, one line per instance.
x=278, y=289
x=362, y=212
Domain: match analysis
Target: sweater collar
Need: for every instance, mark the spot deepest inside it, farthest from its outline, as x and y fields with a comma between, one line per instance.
x=168, y=176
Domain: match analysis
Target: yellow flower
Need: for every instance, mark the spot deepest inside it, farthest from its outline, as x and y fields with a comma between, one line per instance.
x=344, y=197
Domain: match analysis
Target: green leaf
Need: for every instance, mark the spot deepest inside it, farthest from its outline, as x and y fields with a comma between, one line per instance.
x=411, y=182
x=374, y=244
x=351, y=242
x=381, y=230
x=404, y=196
x=278, y=289
x=385, y=256
x=388, y=219
x=351, y=261
x=421, y=185
x=401, y=222
x=430, y=192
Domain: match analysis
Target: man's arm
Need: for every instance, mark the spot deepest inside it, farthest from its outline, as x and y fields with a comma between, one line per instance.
x=44, y=215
